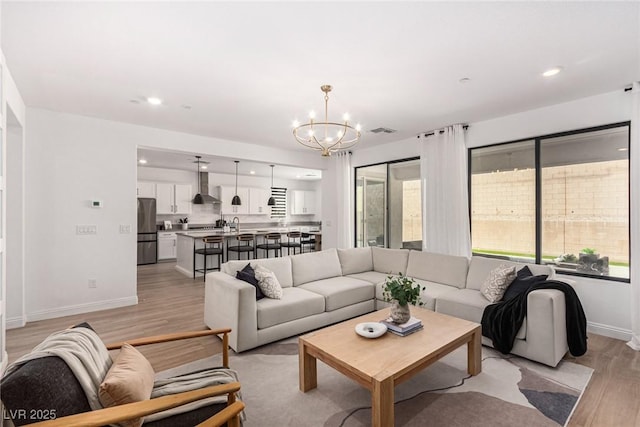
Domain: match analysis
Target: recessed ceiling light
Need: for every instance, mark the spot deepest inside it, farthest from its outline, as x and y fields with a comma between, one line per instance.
x=142, y=161
x=252, y=172
x=623, y=149
x=186, y=107
x=134, y=101
x=154, y=101
x=552, y=71
x=203, y=167
x=464, y=80
x=297, y=176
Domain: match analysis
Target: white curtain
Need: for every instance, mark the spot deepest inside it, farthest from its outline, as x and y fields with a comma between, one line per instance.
x=344, y=196
x=445, y=212
x=634, y=154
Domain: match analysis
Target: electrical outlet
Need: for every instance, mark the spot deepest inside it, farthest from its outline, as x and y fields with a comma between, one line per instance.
x=92, y=283
x=125, y=229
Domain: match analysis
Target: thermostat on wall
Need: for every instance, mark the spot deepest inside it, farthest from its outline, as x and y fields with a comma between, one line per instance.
x=96, y=203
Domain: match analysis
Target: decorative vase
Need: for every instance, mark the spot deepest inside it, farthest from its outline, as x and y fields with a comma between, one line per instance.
x=400, y=313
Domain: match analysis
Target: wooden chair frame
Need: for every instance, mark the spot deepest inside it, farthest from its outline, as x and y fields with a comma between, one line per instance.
x=120, y=413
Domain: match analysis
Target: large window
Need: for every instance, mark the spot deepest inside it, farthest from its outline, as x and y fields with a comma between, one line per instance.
x=561, y=199
x=388, y=207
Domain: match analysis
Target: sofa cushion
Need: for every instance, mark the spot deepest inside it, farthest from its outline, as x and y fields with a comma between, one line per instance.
x=268, y=282
x=480, y=267
x=129, y=380
x=281, y=266
x=466, y=304
x=496, y=283
x=469, y=304
x=341, y=291
x=315, y=266
x=295, y=304
x=248, y=274
x=370, y=276
x=389, y=261
x=428, y=296
x=439, y=268
x=355, y=260
x=47, y=382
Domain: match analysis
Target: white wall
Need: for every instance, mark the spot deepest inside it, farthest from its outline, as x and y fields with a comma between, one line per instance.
x=71, y=160
x=606, y=303
x=207, y=214
x=14, y=138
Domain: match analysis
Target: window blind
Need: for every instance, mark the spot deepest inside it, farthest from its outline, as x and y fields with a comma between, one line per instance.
x=280, y=209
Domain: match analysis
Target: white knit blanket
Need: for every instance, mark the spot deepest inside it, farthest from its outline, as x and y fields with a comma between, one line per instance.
x=84, y=353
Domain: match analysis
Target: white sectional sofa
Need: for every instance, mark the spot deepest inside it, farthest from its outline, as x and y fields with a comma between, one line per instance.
x=329, y=286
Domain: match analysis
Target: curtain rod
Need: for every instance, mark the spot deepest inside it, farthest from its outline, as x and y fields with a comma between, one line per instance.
x=433, y=132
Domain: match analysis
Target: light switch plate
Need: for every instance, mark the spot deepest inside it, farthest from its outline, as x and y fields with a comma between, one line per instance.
x=125, y=229
x=84, y=230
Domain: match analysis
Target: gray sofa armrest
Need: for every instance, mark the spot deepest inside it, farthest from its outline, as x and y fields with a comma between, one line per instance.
x=546, y=338
x=231, y=303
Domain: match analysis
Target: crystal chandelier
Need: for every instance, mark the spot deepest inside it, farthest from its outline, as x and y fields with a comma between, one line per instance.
x=326, y=136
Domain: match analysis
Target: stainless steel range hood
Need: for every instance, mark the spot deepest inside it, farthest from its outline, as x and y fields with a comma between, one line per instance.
x=203, y=196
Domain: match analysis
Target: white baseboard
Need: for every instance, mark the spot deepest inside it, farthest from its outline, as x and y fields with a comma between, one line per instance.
x=16, y=322
x=609, y=331
x=81, y=308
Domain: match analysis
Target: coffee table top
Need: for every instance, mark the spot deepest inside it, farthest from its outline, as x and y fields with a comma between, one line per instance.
x=390, y=354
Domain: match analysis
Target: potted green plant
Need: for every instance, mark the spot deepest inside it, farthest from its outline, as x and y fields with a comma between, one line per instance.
x=401, y=291
x=590, y=262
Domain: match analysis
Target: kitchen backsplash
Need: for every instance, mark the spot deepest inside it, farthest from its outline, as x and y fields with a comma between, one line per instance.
x=207, y=214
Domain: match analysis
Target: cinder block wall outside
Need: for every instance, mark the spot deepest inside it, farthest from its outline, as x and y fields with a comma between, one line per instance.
x=584, y=205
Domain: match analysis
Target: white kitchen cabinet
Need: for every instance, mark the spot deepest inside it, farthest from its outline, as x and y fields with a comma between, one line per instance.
x=167, y=243
x=303, y=202
x=183, y=198
x=227, y=193
x=146, y=189
x=258, y=198
x=173, y=198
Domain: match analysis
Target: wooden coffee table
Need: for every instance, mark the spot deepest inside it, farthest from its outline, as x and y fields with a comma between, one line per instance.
x=380, y=364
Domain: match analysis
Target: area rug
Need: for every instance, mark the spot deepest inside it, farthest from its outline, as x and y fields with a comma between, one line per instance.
x=510, y=391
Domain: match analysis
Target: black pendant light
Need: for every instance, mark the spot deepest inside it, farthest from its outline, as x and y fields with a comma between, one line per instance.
x=272, y=200
x=236, y=199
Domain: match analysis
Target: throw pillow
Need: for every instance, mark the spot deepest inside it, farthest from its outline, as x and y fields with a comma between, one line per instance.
x=496, y=284
x=524, y=279
x=130, y=379
x=268, y=283
x=247, y=274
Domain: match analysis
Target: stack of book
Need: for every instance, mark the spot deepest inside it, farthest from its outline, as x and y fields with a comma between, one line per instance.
x=403, y=329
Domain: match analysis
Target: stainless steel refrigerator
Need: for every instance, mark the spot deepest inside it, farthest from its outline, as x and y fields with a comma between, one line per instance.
x=147, y=232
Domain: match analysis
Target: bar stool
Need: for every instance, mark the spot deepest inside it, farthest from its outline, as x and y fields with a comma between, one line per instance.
x=243, y=245
x=212, y=246
x=308, y=241
x=293, y=241
x=271, y=242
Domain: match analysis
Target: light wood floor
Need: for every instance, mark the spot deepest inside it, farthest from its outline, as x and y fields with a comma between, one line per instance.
x=171, y=302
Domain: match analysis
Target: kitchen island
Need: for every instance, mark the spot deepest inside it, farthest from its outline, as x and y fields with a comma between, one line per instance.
x=190, y=240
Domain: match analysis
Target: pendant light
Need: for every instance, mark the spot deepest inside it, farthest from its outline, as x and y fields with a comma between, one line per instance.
x=236, y=199
x=272, y=200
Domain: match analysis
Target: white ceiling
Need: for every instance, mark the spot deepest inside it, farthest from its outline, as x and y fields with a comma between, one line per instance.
x=185, y=161
x=247, y=70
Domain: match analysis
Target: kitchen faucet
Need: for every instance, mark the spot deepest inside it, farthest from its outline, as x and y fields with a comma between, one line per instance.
x=236, y=221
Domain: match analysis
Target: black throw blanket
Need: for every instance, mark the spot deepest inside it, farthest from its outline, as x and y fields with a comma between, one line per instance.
x=501, y=321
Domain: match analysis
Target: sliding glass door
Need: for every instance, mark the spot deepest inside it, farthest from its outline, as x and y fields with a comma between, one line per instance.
x=371, y=206
x=388, y=206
